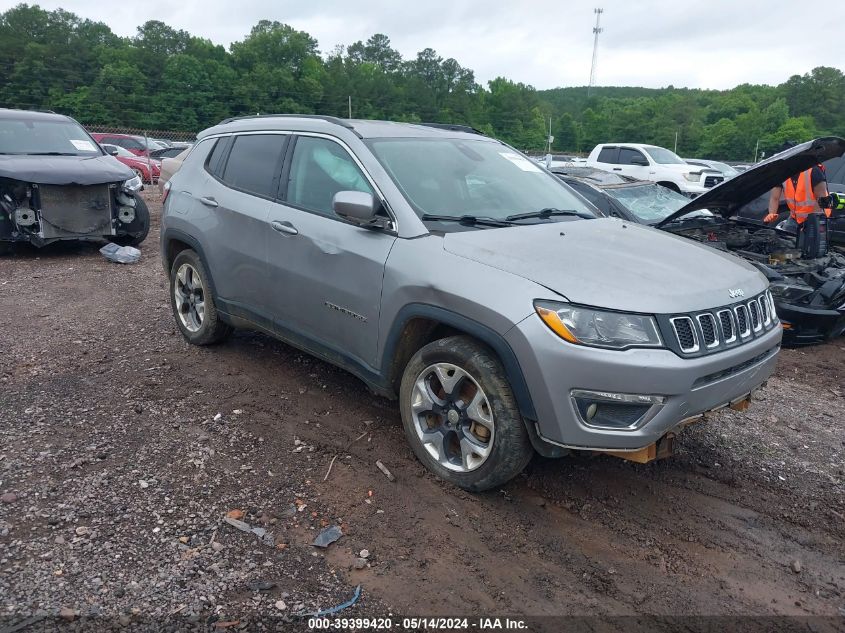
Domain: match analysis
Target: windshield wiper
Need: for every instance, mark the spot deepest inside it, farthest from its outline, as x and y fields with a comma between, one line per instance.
x=549, y=212
x=468, y=220
x=51, y=154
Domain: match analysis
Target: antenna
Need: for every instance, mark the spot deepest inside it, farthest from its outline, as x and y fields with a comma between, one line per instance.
x=596, y=32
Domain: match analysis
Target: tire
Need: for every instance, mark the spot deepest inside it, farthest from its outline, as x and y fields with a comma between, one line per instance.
x=454, y=424
x=189, y=278
x=139, y=227
x=140, y=173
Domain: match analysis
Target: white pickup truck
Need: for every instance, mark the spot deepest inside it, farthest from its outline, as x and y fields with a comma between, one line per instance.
x=657, y=164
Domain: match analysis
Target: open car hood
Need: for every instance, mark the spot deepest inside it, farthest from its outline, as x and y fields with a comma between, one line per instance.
x=726, y=197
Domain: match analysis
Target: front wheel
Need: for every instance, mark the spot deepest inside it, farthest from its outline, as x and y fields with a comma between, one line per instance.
x=139, y=228
x=192, y=302
x=460, y=415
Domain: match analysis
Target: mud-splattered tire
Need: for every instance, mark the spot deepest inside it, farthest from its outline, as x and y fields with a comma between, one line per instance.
x=192, y=301
x=460, y=415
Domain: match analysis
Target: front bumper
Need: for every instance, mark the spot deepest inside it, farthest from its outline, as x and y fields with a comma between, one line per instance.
x=808, y=326
x=691, y=386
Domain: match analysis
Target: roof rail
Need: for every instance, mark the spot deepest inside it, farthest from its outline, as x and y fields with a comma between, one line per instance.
x=453, y=127
x=324, y=117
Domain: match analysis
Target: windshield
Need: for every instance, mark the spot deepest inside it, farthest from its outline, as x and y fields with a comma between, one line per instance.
x=457, y=177
x=664, y=156
x=45, y=136
x=652, y=203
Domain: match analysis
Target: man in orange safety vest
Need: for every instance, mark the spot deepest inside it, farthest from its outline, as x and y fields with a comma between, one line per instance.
x=801, y=194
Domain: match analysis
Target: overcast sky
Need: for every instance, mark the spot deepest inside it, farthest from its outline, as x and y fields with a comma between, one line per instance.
x=653, y=43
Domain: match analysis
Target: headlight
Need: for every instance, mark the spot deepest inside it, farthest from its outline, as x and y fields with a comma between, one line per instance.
x=694, y=176
x=133, y=184
x=789, y=292
x=599, y=328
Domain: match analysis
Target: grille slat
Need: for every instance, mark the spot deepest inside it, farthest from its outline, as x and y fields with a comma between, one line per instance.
x=742, y=320
x=764, y=309
x=754, y=309
x=685, y=332
x=727, y=322
x=708, y=329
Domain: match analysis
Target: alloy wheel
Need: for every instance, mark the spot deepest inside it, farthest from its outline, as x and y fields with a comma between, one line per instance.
x=189, y=294
x=452, y=417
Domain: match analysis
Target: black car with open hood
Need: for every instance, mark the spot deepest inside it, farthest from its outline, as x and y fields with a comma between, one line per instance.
x=809, y=291
x=57, y=183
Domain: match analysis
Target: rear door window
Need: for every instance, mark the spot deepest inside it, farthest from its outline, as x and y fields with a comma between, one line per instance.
x=628, y=156
x=319, y=169
x=254, y=164
x=607, y=155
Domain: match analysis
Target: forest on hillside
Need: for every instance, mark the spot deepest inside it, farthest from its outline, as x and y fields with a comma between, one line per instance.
x=168, y=79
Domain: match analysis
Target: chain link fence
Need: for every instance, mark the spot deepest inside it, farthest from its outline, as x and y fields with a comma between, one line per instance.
x=168, y=137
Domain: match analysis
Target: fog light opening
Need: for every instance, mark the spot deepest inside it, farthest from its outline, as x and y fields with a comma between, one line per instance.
x=615, y=411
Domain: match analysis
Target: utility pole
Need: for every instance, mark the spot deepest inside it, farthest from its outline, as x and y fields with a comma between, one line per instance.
x=596, y=31
x=350, y=106
x=676, y=142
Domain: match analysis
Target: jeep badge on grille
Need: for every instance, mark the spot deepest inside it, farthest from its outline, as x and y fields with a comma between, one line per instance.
x=736, y=292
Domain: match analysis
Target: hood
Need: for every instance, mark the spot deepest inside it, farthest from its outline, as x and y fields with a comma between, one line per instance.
x=611, y=263
x=726, y=197
x=64, y=170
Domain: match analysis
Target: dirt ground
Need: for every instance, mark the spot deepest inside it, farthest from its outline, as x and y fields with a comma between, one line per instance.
x=122, y=447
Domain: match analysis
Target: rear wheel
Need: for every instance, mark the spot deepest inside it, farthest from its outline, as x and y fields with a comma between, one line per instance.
x=192, y=302
x=460, y=415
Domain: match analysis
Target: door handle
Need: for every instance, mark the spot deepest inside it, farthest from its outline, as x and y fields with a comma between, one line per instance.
x=209, y=202
x=617, y=169
x=284, y=227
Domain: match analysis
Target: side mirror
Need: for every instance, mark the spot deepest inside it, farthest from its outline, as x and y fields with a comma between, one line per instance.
x=638, y=160
x=356, y=206
x=113, y=152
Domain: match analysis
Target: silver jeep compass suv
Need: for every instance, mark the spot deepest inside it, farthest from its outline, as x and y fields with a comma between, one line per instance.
x=447, y=270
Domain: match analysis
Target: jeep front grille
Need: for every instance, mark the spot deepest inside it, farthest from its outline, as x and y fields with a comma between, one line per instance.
x=710, y=331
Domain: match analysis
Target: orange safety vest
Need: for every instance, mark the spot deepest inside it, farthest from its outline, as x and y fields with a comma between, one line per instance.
x=799, y=197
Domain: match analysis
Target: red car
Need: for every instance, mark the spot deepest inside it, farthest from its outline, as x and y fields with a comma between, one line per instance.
x=138, y=164
x=133, y=144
